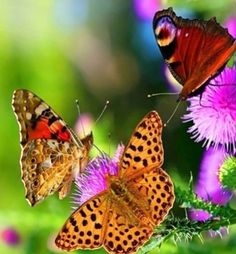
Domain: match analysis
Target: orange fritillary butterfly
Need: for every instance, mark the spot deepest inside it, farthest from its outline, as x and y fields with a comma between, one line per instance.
x=123, y=217
x=51, y=152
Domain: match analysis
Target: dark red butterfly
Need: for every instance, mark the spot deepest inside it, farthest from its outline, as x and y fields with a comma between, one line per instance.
x=195, y=50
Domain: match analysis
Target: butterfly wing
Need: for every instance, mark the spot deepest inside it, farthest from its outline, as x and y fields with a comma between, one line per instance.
x=37, y=120
x=86, y=227
x=156, y=187
x=46, y=164
x=140, y=169
x=194, y=50
x=144, y=150
x=124, y=234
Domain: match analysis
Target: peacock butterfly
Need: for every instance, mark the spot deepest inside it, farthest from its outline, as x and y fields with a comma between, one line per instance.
x=195, y=50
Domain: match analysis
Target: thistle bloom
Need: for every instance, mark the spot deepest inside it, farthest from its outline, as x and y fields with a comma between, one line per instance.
x=94, y=181
x=208, y=186
x=213, y=112
x=227, y=173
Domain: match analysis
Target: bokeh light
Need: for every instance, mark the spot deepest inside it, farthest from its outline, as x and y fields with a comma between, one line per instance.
x=145, y=9
x=10, y=236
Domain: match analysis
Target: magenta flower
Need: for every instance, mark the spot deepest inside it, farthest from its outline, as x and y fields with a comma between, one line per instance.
x=10, y=236
x=213, y=112
x=94, y=181
x=208, y=186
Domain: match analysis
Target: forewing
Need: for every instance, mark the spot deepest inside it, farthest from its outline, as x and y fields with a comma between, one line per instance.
x=144, y=150
x=86, y=227
x=37, y=120
x=124, y=234
x=47, y=167
x=157, y=188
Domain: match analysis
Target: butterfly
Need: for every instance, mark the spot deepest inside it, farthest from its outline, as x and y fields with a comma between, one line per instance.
x=51, y=153
x=123, y=217
x=194, y=50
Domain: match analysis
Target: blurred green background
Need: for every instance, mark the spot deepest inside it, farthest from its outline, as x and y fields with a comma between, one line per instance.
x=93, y=51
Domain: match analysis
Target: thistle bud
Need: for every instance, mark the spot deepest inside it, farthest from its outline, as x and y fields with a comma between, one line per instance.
x=227, y=173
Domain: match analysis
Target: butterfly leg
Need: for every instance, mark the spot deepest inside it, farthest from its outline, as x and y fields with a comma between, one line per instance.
x=64, y=189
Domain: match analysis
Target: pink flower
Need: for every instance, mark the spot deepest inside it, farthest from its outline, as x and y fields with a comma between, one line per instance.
x=208, y=186
x=94, y=181
x=213, y=112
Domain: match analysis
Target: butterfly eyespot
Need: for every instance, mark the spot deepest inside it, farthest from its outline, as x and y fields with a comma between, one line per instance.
x=35, y=183
x=33, y=174
x=34, y=152
x=33, y=166
x=33, y=160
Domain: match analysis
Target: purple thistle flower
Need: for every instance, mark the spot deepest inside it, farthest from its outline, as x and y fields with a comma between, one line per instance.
x=213, y=112
x=94, y=181
x=10, y=236
x=208, y=186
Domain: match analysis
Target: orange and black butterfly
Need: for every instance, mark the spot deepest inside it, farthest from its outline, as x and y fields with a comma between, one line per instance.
x=136, y=200
x=195, y=50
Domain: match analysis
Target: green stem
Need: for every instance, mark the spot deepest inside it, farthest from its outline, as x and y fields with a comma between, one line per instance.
x=183, y=228
x=188, y=199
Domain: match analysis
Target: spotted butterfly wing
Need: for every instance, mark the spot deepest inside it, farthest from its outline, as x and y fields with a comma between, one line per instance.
x=123, y=217
x=195, y=50
x=51, y=152
x=148, y=184
x=145, y=149
x=85, y=229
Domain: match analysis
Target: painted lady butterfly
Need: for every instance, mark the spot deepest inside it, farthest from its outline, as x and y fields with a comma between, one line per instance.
x=51, y=152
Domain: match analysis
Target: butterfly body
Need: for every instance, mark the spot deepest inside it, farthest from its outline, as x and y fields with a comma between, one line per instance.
x=136, y=200
x=51, y=152
x=194, y=50
x=128, y=200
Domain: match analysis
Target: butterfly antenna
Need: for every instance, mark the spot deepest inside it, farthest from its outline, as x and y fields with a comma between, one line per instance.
x=157, y=94
x=101, y=114
x=99, y=150
x=79, y=112
x=175, y=110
